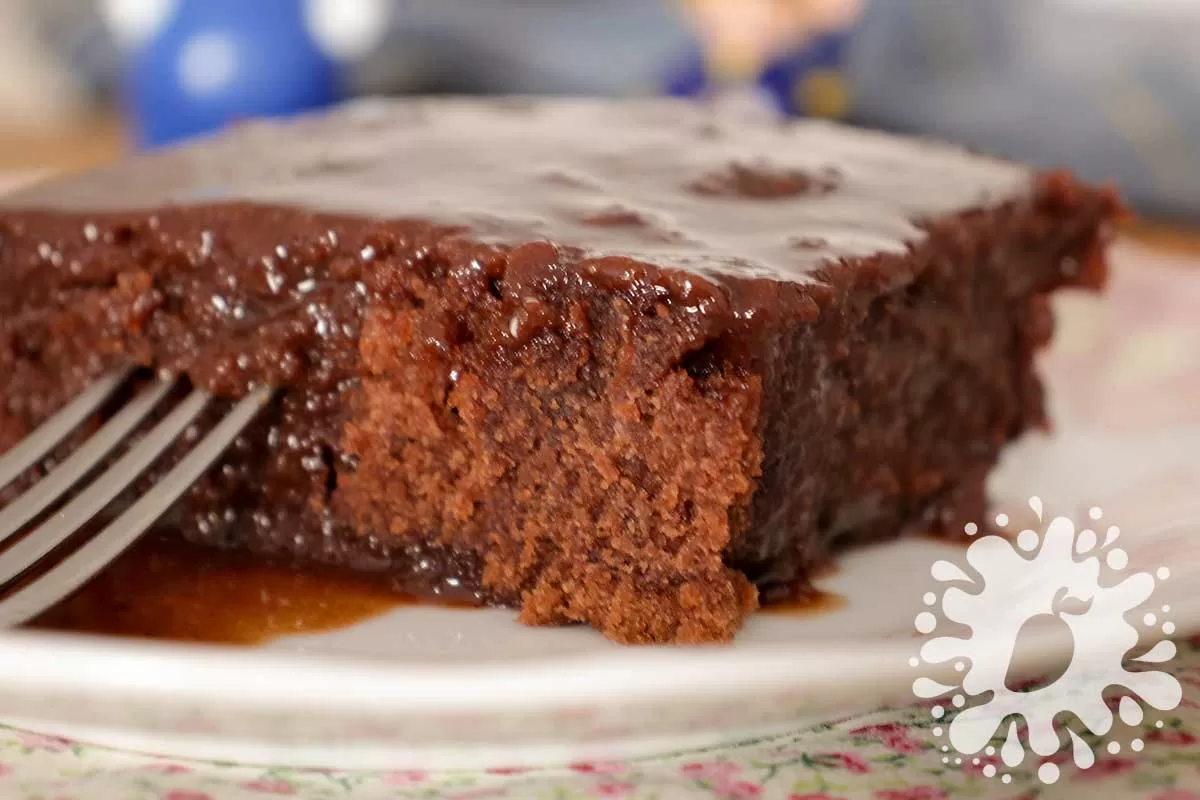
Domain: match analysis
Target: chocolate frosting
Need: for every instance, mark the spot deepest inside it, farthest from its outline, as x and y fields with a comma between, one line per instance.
x=667, y=182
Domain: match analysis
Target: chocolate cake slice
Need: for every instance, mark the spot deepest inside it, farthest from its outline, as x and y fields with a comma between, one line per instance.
x=639, y=365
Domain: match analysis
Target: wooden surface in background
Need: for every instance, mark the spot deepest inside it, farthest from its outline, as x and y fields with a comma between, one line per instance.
x=101, y=141
x=1170, y=238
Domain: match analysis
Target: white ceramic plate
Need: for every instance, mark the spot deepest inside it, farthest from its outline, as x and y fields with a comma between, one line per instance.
x=456, y=688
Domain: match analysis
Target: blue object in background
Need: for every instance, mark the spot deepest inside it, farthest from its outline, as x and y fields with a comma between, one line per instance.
x=213, y=62
x=805, y=82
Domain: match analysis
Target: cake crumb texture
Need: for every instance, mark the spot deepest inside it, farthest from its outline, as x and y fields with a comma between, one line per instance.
x=511, y=377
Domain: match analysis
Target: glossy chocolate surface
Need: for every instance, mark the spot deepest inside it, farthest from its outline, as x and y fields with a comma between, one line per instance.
x=670, y=183
x=621, y=363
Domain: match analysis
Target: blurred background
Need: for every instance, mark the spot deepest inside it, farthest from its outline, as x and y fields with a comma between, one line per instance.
x=1109, y=88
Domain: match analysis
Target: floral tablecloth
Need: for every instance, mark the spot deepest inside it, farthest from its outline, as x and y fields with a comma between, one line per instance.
x=884, y=756
x=1146, y=358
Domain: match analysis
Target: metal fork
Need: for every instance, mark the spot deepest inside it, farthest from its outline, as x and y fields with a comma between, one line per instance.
x=100, y=550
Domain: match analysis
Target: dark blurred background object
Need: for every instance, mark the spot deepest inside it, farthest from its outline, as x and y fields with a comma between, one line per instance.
x=793, y=52
x=1109, y=89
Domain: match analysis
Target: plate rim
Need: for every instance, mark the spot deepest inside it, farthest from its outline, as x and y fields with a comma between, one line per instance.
x=49, y=663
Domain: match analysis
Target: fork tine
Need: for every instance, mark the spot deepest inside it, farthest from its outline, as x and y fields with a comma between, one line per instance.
x=50, y=488
x=98, y=552
x=35, y=446
x=92, y=500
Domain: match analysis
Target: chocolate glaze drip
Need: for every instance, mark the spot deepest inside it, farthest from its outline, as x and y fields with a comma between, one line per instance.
x=608, y=362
